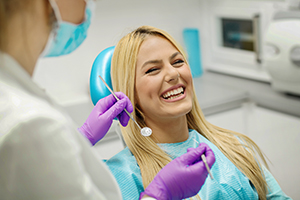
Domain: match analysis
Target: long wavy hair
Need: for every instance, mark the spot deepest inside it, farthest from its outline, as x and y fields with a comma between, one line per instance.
x=238, y=148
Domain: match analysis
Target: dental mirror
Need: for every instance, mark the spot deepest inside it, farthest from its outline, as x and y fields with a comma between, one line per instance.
x=146, y=131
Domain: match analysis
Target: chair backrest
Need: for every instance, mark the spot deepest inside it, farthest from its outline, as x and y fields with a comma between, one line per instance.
x=98, y=90
x=101, y=66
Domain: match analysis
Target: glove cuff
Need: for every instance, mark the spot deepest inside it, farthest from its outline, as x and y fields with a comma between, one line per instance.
x=146, y=198
x=157, y=190
x=86, y=134
x=141, y=195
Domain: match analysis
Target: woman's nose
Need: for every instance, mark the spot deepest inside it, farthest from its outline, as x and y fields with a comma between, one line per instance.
x=171, y=74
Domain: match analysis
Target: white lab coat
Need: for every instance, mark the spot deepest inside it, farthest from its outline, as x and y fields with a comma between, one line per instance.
x=42, y=155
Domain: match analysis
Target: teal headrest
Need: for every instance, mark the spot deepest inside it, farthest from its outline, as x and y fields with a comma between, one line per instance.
x=101, y=66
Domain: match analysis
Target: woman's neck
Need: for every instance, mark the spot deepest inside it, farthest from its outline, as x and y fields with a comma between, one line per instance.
x=170, y=131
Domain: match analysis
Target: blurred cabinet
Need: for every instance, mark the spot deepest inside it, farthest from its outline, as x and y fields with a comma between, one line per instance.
x=278, y=136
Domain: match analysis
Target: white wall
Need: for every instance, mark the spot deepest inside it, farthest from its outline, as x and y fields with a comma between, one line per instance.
x=66, y=79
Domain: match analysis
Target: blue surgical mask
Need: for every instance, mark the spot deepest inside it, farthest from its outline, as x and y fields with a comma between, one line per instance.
x=66, y=37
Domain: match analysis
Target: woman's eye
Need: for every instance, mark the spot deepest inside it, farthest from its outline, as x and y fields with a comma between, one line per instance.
x=151, y=70
x=178, y=62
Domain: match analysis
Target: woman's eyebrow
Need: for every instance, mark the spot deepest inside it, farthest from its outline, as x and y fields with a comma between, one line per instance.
x=174, y=55
x=151, y=62
x=160, y=61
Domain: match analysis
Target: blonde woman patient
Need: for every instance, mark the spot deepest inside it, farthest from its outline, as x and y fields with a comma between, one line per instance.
x=152, y=70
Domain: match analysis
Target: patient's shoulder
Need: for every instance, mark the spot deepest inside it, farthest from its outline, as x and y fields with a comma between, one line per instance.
x=127, y=173
x=123, y=160
x=124, y=166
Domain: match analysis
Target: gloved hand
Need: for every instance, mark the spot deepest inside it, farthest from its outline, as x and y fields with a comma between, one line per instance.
x=183, y=177
x=102, y=115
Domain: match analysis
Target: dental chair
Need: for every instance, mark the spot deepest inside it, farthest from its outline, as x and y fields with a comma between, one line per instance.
x=98, y=90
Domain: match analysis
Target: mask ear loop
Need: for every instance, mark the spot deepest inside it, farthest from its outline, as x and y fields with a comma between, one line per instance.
x=54, y=25
x=91, y=6
x=55, y=9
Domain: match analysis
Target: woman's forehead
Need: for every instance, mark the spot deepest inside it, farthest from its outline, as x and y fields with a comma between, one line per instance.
x=155, y=47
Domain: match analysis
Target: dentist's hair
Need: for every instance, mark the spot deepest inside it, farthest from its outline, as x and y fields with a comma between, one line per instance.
x=238, y=148
x=9, y=8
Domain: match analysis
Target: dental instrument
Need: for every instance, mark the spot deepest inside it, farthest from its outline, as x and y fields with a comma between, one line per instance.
x=205, y=162
x=146, y=131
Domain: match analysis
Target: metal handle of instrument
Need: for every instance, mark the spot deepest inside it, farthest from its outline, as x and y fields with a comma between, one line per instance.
x=112, y=92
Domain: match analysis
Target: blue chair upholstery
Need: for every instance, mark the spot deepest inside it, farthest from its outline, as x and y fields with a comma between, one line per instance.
x=98, y=90
x=101, y=66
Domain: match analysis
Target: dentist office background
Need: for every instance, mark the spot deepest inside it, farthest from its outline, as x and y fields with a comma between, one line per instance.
x=247, y=72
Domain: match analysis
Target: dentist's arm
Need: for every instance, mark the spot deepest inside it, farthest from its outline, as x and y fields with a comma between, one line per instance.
x=183, y=177
x=102, y=115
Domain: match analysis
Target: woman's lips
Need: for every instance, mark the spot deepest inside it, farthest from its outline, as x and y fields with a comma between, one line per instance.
x=174, y=93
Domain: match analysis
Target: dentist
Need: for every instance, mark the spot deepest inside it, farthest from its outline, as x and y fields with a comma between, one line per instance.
x=43, y=155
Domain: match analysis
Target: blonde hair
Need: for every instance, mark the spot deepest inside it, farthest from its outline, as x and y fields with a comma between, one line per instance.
x=238, y=148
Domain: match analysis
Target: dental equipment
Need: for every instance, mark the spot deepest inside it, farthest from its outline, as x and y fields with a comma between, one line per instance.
x=205, y=162
x=146, y=131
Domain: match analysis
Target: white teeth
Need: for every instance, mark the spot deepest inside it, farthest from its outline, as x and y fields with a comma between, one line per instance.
x=176, y=92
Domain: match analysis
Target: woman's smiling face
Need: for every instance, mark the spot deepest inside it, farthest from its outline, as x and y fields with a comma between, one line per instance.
x=163, y=82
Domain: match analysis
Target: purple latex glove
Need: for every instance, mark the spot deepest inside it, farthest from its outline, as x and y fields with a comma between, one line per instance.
x=183, y=177
x=102, y=115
